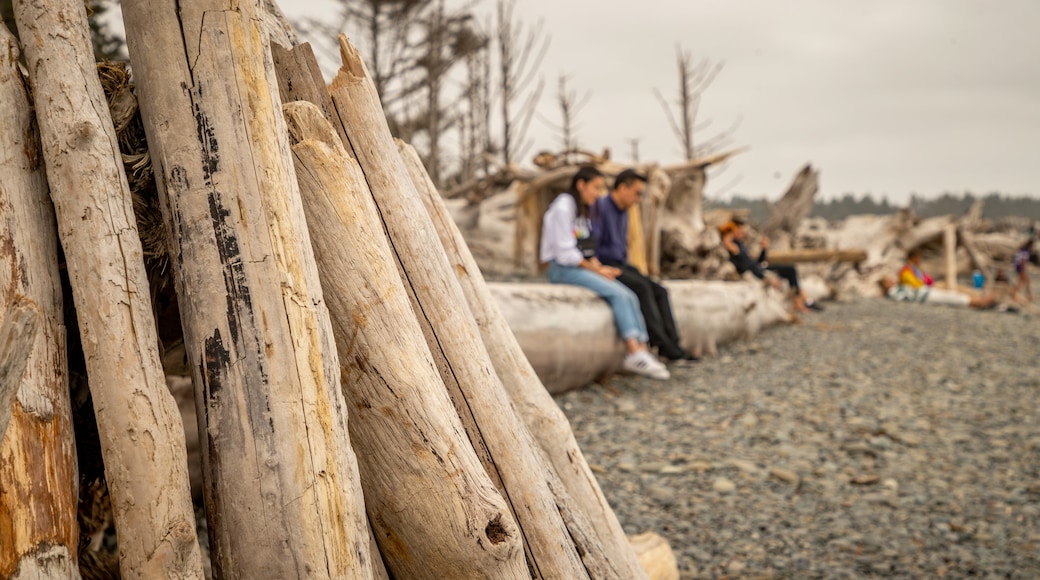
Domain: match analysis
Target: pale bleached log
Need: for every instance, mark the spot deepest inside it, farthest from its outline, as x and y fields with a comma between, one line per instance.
x=950, y=255
x=38, y=455
x=434, y=510
x=283, y=494
x=569, y=336
x=609, y=556
x=795, y=205
x=505, y=448
x=141, y=434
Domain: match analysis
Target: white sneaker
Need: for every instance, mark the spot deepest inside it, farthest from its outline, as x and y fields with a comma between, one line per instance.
x=643, y=363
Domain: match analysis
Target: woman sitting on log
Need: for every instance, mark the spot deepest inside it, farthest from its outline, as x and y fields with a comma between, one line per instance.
x=733, y=234
x=570, y=249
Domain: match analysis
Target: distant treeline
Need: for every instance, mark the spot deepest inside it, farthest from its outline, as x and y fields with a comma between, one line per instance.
x=996, y=206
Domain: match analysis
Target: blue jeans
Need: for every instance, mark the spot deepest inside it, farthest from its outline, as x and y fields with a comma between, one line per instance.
x=622, y=301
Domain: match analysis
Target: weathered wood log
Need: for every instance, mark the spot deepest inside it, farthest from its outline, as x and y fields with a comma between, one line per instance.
x=141, y=434
x=493, y=428
x=607, y=554
x=38, y=454
x=283, y=494
x=569, y=337
x=795, y=205
x=434, y=510
x=808, y=255
x=950, y=255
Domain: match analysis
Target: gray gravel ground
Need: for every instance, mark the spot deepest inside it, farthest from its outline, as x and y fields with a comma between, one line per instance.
x=875, y=439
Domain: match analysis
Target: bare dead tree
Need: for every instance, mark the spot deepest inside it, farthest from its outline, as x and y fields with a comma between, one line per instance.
x=474, y=134
x=693, y=81
x=520, y=53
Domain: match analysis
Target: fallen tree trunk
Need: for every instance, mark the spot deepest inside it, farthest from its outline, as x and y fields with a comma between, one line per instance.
x=608, y=553
x=141, y=434
x=283, y=494
x=568, y=333
x=806, y=255
x=435, y=512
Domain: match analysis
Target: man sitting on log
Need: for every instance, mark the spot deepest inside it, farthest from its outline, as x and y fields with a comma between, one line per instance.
x=610, y=227
x=733, y=234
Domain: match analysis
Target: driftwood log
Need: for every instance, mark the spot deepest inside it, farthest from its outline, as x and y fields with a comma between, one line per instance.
x=569, y=336
x=37, y=447
x=507, y=450
x=278, y=462
x=607, y=554
x=141, y=434
x=421, y=477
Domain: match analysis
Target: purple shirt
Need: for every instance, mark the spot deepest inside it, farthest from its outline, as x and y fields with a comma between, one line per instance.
x=610, y=226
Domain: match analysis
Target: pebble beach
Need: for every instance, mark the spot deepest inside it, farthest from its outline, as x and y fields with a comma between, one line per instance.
x=874, y=439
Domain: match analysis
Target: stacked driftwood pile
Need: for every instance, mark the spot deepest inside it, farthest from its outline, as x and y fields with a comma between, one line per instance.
x=364, y=410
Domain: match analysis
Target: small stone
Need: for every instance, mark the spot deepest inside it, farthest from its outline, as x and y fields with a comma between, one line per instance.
x=626, y=406
x=890, y=484
x=700, y=466
x=784, y=474
x=672, y=469
x=881, y=443
x=723, y=485
x=597, y=468
x=749, y=421
x=735, y=567
x=743, y=465
x=865, y=479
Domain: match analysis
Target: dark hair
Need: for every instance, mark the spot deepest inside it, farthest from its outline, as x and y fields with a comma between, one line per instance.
x=628, y=177
x=586, y=173
x=914, y=253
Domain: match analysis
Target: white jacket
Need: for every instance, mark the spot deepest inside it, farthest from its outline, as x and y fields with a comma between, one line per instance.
x=559, y=238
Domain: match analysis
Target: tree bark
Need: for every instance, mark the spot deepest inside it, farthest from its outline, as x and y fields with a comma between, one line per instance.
x=141, y=433
x=435, y=512
x=283, y=493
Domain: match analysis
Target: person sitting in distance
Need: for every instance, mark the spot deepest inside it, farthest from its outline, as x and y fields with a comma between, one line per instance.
x=733, y=234
x=610, y=227
x=569, y=248
x=915, y=285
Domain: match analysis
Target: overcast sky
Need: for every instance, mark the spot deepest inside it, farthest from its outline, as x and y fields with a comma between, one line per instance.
x=883, y=96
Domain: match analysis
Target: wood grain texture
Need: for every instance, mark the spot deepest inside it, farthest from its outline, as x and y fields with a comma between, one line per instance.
x=283, y=495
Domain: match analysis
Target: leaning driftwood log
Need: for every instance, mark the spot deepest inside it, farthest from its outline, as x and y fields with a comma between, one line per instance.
x=507, y=450
x=141, y=434
x=607, y=555
x=38, y=453
x=422, y=479
x=283, y=494
x=568, y=333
